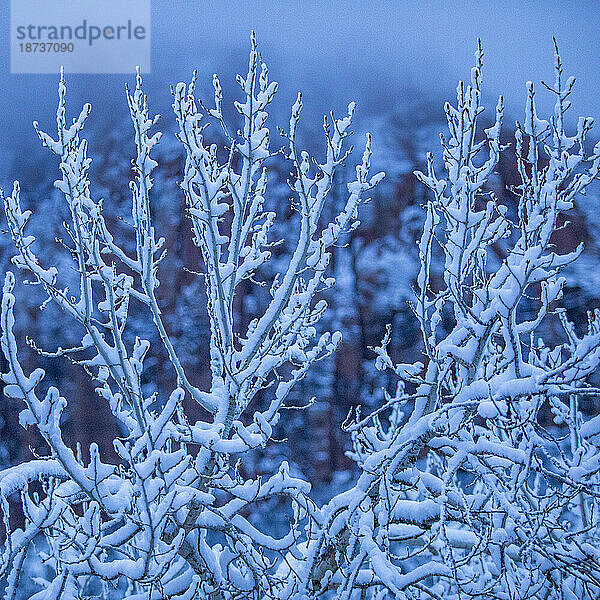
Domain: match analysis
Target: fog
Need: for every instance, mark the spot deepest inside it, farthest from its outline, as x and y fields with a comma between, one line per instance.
x=385, y=55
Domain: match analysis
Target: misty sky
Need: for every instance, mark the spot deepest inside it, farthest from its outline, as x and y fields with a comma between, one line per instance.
x=378, y=53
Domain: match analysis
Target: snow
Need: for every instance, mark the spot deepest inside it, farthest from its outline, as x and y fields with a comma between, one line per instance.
x=462, y=491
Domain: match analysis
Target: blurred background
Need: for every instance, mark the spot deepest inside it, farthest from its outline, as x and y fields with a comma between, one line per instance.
x=400, y=61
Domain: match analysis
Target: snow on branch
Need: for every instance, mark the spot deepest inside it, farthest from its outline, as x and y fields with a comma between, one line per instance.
x=464, y=488
x=151, y=524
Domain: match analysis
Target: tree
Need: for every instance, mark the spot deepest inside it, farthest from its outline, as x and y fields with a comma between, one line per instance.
x=170, y=518
x=463, y=489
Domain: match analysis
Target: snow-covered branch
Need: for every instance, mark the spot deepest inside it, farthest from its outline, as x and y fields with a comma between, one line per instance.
x=479, y=474
x=169, y=519
x=465, y=489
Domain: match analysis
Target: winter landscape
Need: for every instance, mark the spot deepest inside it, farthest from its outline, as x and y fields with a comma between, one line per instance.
x=251, y=352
